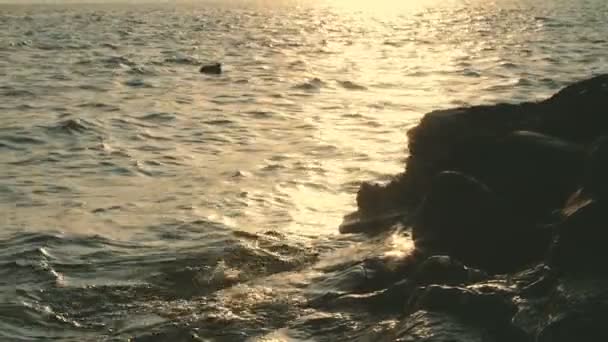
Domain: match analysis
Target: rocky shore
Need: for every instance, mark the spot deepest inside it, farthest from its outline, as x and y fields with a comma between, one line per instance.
x=506, y=208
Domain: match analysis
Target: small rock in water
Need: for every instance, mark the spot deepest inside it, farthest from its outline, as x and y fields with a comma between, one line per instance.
x=212, y=69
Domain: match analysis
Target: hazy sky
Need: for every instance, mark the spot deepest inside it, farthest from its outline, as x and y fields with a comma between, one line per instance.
x=91, y=1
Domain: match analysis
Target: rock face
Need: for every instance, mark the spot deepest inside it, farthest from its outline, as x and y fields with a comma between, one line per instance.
x=596, y=169
x=461, y=139
x=463, y=218
x=580, y=247
x=508, y=208
x=481, y=180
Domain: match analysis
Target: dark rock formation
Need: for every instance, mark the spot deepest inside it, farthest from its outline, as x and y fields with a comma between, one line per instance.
x=516, y=190
x=461, y=139
x=211, y=69
x=580, y=247
x=489, y=312
x=581, y=244
x=596, y=169
x=462, y=217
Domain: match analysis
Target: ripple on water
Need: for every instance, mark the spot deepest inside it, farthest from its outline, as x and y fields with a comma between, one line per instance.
x=110, y=46
x=72, y=126
x=261, y=114
x=184, y=60
x=10, y=140
x=139, y=83
x=142, y=70
x=116, y=62
x=14, y=92
x=350, y=85
x=158, y=117
x=104, y=290
x=314, y=84
x=100, y=106
x=219, y=122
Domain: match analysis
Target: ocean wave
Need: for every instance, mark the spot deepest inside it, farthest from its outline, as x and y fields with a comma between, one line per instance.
x=72, y=126
x=117, y=61
x=158, y=117
x=21, y=139
x=186, y=60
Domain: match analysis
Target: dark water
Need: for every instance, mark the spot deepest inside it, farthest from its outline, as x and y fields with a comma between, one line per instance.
x=138, y=196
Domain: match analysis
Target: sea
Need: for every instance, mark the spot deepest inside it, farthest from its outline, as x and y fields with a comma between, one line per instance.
x=142, y=200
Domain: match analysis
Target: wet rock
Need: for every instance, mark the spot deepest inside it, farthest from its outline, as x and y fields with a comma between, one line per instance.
x=577, y=112
x=442, y=269
x=371, y=224
x=492, y=188
x=576, y=311
x=576, y=326
x=459, y=139
x=536, y=281
x=488, y=312
x=462, y=302
x=463, y=218
x=374, y=198
x=174, y=332
x=581, y=238
x=534, y=173
x=581, y=244
x=455, y=205
x=480, y=141
x=424, y=326
x=211, y=69
x=595, y=183
x=370, y=196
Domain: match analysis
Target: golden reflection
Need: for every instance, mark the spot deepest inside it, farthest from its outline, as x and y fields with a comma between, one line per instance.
x=387, y=6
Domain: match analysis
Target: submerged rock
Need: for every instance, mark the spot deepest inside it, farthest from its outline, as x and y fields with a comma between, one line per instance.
x=211, y=69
